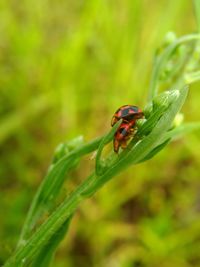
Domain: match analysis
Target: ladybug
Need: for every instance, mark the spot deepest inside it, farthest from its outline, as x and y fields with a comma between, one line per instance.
x=122, y=135
x=129, y=114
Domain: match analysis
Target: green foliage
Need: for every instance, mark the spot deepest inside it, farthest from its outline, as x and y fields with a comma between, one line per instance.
x=47, y=252
x=176, y=63
x=53, y=226
x=166, y=106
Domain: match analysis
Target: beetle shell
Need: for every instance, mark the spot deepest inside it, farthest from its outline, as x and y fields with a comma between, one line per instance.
x=127, y=113
x=122, y=135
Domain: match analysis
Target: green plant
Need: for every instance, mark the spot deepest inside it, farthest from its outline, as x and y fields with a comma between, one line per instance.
x=175, y=65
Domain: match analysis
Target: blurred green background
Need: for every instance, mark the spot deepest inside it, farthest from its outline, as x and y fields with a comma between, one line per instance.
x=65, y=67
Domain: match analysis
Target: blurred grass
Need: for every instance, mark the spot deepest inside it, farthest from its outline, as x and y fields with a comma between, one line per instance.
x=65, y=67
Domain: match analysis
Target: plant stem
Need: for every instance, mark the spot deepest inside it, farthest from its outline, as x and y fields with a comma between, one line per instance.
x=47, y=184
x=162, y=60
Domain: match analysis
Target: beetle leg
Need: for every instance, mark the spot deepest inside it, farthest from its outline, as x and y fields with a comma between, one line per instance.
x=114, y=120
x=132, y=131
x=126, y=138
x=116, y=145
x=124, y=120
x=124, y=144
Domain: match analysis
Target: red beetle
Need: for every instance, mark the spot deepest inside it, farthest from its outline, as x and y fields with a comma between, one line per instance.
x=129, y=114
x=122, y=135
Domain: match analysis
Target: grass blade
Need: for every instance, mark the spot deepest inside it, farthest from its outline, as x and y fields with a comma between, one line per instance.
x=51, y=185
x=182, y=130
x=172, y=135
x=45, y=257
x=155, y=151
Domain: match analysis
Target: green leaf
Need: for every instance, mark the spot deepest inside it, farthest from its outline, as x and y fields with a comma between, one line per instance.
x=165, y=122
x=100, y=167
x=192, y=77
x=142, y=148
x=50, y=187
x=171, y=135
x=155, y=151
x=181, y=130
x=45, y=256
x=161, y=61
